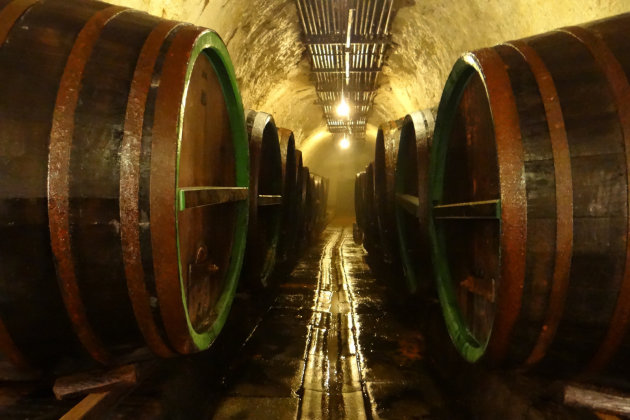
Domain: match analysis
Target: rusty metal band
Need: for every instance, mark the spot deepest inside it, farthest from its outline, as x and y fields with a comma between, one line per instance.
x=256, y=123
x=9, y=15
x=61, y=137
x=162, y=189
x=620, y=89
x=130, y=188
x=513, y=199
x=564, y=200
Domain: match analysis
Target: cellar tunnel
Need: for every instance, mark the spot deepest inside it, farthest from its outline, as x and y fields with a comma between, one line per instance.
x=315, y=209
x=272, y=65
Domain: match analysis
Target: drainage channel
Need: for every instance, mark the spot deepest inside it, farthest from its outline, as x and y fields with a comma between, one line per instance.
x=332, y=386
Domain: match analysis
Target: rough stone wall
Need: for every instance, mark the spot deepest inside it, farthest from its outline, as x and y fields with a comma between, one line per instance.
x=430, y=35
x=184, y=10
x=263, y=38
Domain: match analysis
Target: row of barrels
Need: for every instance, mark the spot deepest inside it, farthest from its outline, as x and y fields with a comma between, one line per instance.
x=390, y=196
x=515, y=212
x=130, y=192
x=287, y=203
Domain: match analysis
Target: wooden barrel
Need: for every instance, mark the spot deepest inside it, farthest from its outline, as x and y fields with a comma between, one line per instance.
x=529, y=176
x=265, y=198
x=316, y=206
x=386, y=152
x=358, y=228
x=311, y=207
x=323, y=205
x=303, y=210
x=371, y=241
x=412, y=198
x=359, y=200
x=290, y=164
x=118, y=131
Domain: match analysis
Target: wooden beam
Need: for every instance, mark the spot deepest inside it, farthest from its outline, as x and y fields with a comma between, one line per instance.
x=104, y=389
x=269, y=200
x=191, y=197
x=99, y=381
x=604, y=401
x=95, y=406
x=409, y=203
x=486, y=209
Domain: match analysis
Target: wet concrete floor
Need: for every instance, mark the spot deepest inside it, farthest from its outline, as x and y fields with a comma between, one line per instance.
x=330, y=347
x=340, y=338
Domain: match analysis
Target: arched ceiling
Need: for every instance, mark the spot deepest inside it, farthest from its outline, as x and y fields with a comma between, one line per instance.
x=263, y=37
x=431, y=34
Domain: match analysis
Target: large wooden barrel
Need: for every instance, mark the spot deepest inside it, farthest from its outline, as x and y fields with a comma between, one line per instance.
x=311, y=207
x=316, y=209
x=321, y=219
x=118, y=133
x=359, y=208
x=290, y=165
x=412, y=198
x=265, y=198
x=371, y=241
x=304, y=178
x=530, y=180
x=385, y=154
x=359, y=200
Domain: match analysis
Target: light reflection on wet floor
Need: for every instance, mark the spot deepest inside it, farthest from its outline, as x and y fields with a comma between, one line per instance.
x=332, y=384
x=356, y=361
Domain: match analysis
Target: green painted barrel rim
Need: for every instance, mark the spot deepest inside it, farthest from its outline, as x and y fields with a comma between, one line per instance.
x=467, y=345
x=402, y=167
x=210, y=44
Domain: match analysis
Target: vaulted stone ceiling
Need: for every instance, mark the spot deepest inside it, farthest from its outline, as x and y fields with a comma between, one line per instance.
x=263, y=38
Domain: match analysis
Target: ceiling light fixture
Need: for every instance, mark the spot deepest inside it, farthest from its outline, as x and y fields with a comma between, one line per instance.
x=344, y=143
x=343, y=109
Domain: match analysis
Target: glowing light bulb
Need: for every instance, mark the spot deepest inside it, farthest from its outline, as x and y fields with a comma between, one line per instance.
x=344, y=143
x=343, y=110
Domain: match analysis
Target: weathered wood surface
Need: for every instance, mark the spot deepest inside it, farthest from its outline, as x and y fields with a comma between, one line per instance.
x=542, y=128
x=598, y=400
x=95, y=382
